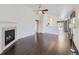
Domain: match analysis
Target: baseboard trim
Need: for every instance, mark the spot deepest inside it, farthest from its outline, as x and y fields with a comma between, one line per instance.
x=8, y=46
x=75, y=48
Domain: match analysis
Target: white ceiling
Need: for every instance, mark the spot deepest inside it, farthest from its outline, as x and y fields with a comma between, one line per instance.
x=56, y=9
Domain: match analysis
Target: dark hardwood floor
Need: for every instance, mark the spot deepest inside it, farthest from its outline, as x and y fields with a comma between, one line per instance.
x=40, y=44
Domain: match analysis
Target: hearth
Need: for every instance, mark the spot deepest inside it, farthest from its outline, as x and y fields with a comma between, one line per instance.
x=9, y=36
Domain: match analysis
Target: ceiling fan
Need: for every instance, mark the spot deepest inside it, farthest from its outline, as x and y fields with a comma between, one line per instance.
x=40, y=10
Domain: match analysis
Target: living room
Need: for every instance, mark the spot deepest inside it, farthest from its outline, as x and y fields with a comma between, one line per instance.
x=39, y=29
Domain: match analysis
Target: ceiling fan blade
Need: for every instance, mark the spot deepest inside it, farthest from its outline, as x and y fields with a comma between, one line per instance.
x=45, y=10
x=40, y=10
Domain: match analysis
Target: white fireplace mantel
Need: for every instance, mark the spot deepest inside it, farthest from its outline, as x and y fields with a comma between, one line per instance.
x=6, y=25
x=3, y=36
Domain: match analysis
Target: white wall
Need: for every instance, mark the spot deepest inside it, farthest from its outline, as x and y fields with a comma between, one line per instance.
x=76, y=35
x=26, y=23
x=76, y=30
x=21, y=14
x=17, y=15
x=49, y=29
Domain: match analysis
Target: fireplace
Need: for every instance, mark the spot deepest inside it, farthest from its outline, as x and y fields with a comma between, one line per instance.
x=9, y=36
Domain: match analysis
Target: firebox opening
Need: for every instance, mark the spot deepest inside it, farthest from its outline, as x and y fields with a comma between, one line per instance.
x=9, y=36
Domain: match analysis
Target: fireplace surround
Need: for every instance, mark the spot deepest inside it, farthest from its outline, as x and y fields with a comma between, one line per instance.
x=8, y=36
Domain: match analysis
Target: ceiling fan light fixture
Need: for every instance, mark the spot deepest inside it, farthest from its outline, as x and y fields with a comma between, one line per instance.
x=40, y=10
x=40, y=13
